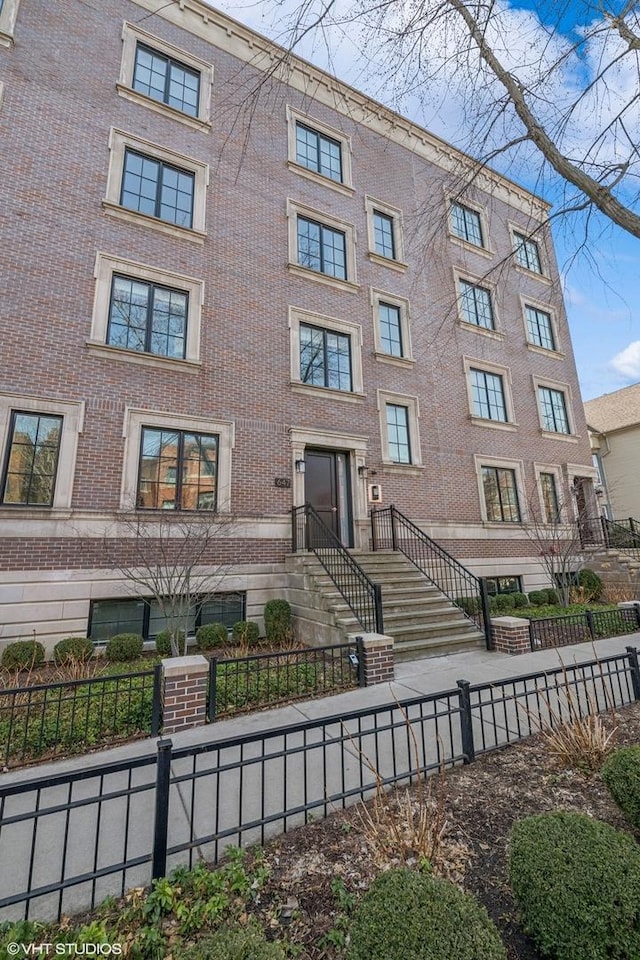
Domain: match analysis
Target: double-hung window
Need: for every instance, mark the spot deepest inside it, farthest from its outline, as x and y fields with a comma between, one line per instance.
x=475, y=305
x=500, y=494
x=550, y=502
x=539, y=327
x=466, y=224
x=178, y=470
x=147, y=317
x=318, y=152
x=31, y=466
x=165, y=79
x=487, y=392
x=325, y=358
x=158, y=189
x=321, y=248
x=398, y=438
x=527, y=253
x=553, y=410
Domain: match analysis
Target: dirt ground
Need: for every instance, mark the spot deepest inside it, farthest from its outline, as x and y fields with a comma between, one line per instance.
x=317, y=871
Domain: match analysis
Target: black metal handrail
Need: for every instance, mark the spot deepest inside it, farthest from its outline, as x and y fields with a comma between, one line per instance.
x=623, y=535
x=391, y=530
x=360, y=593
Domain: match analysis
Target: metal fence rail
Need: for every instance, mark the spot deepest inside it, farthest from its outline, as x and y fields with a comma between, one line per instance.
x=577, y=627
x=73, y=839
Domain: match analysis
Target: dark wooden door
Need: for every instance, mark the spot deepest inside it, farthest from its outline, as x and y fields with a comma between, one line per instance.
x=321, y=486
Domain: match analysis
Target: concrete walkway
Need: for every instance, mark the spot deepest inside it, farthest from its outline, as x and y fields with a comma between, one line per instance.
x=229, y=792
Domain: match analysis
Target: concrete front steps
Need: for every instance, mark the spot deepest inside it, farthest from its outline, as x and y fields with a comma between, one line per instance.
x=421, y=619
x=619, y=571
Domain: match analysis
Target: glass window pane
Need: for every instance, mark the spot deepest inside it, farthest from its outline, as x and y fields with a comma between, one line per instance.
x=390, y=329
x=383, y=235
x=32, y=461
x=225, y=608
x=398, y=433
x=309, y=244
x=111, y=617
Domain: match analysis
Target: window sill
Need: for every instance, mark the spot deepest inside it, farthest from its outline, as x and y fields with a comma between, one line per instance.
x=545, y=352
x=108, y=352
x=319, y=178
x=566, y=437
x=493, y=424
x=398, y=265
x=142, y=219
x=6, y=39
x=404, y=469
x=472, y=247
x=484, y=331
x=406, y=362
x=532, y=273
x=347, y=285
x=317, y=391
x=135, y=96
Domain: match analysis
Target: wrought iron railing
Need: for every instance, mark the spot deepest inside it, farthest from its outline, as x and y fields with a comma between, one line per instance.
x=360, y=593
x=391, y=530
x=623, y=535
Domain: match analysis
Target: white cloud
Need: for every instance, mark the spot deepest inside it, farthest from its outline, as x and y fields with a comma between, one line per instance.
x=627, y=362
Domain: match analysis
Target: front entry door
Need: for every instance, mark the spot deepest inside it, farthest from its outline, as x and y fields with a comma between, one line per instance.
x=326, y=485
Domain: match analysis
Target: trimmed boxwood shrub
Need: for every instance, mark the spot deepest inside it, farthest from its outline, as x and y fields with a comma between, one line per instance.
x=590, y=583
x=621, y=773
x=22, y=655
x=124, y=647
x=246, y=632
x=553, y=597
x=76, y=649
x=502, y=603
x=277, y=621
x=470, y=605
x=163, y=642
x=538, y=598
x=520, y=600
x=577, y=883
x=211, y=635
x=232, y=943
x=406, y=915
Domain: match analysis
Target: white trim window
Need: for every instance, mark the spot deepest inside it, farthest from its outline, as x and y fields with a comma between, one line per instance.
x=500, y=484
x=527, y=252
x=476, y=305
x=385, y=234
x=392, y=333
x=554, y=415
x=539, y=324
x=399, y=416
x=466, y=224
x=326, y=354
x=319, y=152
x=321, y=246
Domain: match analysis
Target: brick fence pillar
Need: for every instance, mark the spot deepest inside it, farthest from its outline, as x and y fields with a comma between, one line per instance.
x=511, y=635
x=377, y=650
x=184, y=693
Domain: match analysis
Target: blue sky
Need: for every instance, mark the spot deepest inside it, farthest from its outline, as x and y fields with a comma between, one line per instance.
x=601, y=281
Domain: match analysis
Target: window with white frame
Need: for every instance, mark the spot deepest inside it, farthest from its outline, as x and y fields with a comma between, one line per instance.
x=145, y=312
x=553, y=410
x=319, y=152
x=399, y=428
x=391, y=327
x=539, y=327
x=39, y=443
x=385, y=234
x=475, y=304
x=527, y=252
x=165, y=78
x=326, y=353
x=164, y=189
x=321, y=246
x=466, y=224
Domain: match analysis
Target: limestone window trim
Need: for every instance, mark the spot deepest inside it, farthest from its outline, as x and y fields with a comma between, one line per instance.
x=136, y=418
x=379, y=297
x=535, y=236
x=72, y=413
x=475, y=280
x=484, y=366
x=552, y=312
x=486, y=250
x=394, y=214
x=565, y=390
x=500, y=463
x=8, y=18
x=119, y=141
x=294, y=210
x=297, y=316
x=412, y=405
x=356, y=446
x=556, y=471
x=344, y=186
x=131, y=35
x=105, y=268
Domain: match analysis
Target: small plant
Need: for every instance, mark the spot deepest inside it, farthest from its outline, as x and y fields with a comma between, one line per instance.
x=538, y=598
x=78, y=649
x=520, y=600
x=621, y=773
x=124, y=647
x=470, y=605
x=590, y=583
x=553, y=597
x=211, y=635
x=503, y=603
x=23, y=655
x=246, y=633
x=577, y=883
x=245, y=942
x=408, y=915
x=163, y=642
x=277, y=621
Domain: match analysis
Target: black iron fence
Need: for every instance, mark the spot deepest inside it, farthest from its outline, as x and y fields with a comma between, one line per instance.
x=621, y=535
x=74, y=838
x=391, y=530
x=360, y=593
x=578, y=627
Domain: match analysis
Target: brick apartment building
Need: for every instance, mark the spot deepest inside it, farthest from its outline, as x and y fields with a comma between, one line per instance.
x=231, y=282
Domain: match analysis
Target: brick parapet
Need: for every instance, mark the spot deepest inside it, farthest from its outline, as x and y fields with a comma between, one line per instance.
x=184, y=693
x=377, y=653
x=511, y=635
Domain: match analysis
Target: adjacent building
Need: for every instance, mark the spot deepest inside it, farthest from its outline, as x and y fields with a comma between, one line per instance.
x=614, y=428
x=232, y=284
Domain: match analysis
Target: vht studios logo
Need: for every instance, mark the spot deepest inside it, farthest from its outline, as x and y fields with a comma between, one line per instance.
x=64, y=949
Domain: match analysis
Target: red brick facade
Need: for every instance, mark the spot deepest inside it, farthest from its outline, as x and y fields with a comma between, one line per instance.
x=62, y=96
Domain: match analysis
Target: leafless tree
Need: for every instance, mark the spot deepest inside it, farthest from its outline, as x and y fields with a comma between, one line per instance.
x=557, y=539
x=173, y=559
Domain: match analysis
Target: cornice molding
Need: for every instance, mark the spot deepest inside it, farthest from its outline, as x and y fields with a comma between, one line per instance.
x=227, y=34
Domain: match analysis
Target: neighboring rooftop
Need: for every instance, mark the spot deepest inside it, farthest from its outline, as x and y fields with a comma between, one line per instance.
x=614, y=411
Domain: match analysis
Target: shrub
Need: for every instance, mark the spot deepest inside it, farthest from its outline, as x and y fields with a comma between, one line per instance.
x=470, y=605
x=232, y=943
x=246, y=632
x=553, y=597
x=78, y=649
x=211, y=635
x=277, y=621
x=406, y=915
x=124, y=647
x=577, y=882
x=591, y=584
x=163, y=642
x=23, y=655
x=621, y=773
x=538, y=598
x=503, y=603
x=520, y=600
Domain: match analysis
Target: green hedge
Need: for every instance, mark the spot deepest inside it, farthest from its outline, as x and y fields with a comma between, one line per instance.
x=277, y=621
x=621, y=773
x=72, y=649
x=22, y=655
x=211, y=635
x=406, y=915
x=124, y=647
x=232, y=943
x=577, y=883
x=246, y=633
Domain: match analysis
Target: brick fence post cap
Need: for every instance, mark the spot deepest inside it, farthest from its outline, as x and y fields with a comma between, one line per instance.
x=371, y=640
x=185, y=666
x=628, y=604
x=510, y=621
